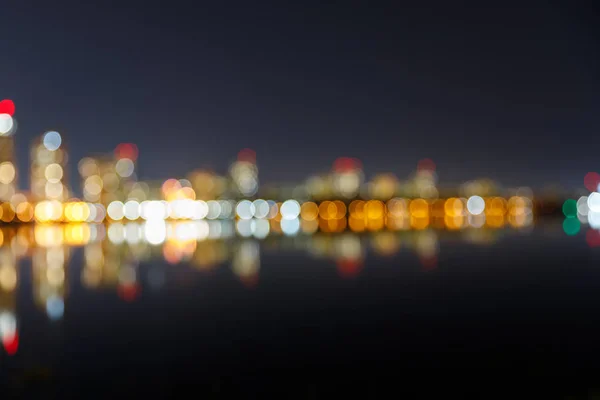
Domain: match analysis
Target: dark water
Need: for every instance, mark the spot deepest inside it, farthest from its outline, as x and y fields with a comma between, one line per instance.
x=305, y=316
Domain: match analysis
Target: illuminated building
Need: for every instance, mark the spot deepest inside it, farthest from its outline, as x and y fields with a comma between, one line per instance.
x=424, y=181
x=383, y=187
x=207, y=185
x=111, y=177
x=8, y=169
x=244, y=174
x=48, y=168
x=347, y=177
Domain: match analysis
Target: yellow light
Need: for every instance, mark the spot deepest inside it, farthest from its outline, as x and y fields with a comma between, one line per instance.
x=93, y=185
x=340, y=209
x=419, y=208
x=356, y=224
x=453, y=207
x=53, y=173
x=419, y=222
x=327, y=210
x=309, y=211
x=8, y=278
x=357, y=209
x=374, y=209
x=54, y=190
x=77, y=234
x=437, y=208
x=495, y=206
x=397, y=208
x=48, y=235
x=7, y=172
x=494, y=221
x=55, y=276
x=25, y=211
x=454, y=222
x=8, y=212
x=375, y=224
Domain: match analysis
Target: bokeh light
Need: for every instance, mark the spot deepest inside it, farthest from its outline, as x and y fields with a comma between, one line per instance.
x=52, y=140
x=476, y=205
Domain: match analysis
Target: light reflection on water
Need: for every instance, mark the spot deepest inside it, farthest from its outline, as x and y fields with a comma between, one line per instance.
x=74, y=257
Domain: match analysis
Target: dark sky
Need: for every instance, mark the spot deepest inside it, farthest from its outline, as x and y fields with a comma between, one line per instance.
x=510, y=92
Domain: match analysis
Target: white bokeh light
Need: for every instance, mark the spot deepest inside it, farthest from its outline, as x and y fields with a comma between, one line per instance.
x=582, y=205
x=290, y=227
x=475, y=205
x=261, y=208
x=115, y=210
x=52, y=140
x=131, y=210
x=290, y=209
x=245, y=209
x=593, y=202
x=6, y=124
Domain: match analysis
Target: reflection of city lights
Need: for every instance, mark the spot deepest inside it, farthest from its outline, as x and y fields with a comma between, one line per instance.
x=55, y=307
x=290, y=227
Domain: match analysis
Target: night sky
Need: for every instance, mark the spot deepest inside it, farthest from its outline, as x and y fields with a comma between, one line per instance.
x=512, y=93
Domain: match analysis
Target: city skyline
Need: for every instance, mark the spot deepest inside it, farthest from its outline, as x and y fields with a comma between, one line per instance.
x=389, y=85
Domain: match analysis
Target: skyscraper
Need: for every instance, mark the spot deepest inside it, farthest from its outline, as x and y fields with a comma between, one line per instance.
x=48, y=168
x=8, y=170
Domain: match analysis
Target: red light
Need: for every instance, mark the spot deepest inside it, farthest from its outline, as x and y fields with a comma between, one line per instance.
x=250, y=281
x=7, y=107
x=429, y=263
x=348, y=268
x=129, y=292
x=247, y=155
x=11, y=344
x=591, y=181
x=346, y=164
x=426, y=164
x=127, y=150
x=592, y=237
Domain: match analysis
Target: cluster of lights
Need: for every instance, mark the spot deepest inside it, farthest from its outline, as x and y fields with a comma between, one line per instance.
x=49, y=211
x=48, y=168
x=178, y=209
x=244, y=173
x=7, y=123
x=585, y=210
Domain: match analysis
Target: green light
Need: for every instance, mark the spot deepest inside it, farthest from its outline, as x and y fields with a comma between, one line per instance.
x=571, y=226
x=569, y=208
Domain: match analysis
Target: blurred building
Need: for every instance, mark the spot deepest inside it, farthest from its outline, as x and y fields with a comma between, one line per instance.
x=347, y=177
x=111, y=177
x=49, y=168
x=207, y=184
x=8, y=169
x=244, y=174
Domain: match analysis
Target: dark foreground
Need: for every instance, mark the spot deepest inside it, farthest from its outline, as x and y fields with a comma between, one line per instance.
x=522, y=310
